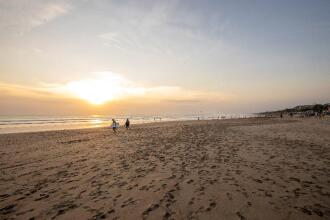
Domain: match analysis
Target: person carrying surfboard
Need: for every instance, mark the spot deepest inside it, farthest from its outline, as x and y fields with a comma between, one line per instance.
x=114, y=125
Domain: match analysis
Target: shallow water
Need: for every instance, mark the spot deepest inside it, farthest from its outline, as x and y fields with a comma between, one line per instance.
x=16, y=124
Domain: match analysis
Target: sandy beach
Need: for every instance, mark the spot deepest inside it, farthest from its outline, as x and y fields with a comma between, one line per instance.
x=220, y=169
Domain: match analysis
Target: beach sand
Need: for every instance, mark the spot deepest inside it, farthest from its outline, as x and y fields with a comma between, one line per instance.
x=219, y=169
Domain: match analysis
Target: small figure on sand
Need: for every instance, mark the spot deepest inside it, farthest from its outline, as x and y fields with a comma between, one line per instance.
x=127, y=123
x=281, y=115
x=114, y=125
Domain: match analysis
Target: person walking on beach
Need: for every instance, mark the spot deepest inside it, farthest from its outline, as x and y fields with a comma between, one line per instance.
x=114, y=125
x=127, y=123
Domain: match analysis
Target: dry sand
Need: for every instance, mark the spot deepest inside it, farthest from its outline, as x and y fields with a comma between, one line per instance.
x=229, y=169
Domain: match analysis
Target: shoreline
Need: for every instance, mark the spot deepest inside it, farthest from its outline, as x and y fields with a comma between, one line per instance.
x=88, y=126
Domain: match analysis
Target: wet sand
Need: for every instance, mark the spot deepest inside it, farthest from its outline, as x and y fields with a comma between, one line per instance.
x=227, y=169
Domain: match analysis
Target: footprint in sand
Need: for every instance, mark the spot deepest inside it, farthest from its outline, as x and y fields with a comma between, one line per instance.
x=190, y=181
x=99, y=215
x=192, y=200
x=149, y=209
x=7, y=209
x=241, y=217
x=212, y=205
x=229, y=196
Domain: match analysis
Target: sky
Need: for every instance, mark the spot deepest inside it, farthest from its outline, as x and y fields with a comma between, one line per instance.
x=82, y=57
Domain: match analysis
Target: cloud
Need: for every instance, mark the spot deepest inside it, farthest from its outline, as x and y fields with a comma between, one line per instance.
x=107, y=87
x=23, y=15
x=163, y=27
x=183, y=101
x=9, y=89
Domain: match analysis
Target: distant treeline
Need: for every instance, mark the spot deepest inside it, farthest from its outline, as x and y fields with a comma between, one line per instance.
x=316, y=108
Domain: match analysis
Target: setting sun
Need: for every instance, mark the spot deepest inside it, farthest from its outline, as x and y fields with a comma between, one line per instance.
x=94, y=91
x=107, y=87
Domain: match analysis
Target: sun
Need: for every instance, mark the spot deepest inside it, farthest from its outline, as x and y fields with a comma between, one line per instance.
x=95, y=92
x=105, y=88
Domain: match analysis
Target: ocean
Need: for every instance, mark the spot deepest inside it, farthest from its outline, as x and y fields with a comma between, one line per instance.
x=17, y=124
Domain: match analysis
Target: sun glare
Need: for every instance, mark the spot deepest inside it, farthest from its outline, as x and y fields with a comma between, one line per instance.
x=98, y=91
x=93, y=91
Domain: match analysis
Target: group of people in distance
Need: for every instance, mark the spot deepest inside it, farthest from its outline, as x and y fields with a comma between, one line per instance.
x=115, y=125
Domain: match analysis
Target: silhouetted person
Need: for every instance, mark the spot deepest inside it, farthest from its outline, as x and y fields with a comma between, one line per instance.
x=127, y=123
x=114, y=125
x=281, y=115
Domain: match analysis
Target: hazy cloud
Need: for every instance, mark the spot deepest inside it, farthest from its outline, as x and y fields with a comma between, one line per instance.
x=9, y=89
x=23, y=15
x=183, y=101
x=163, y=27
x=107, y=86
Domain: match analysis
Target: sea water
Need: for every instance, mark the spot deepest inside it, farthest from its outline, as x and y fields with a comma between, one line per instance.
x=17, y=124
